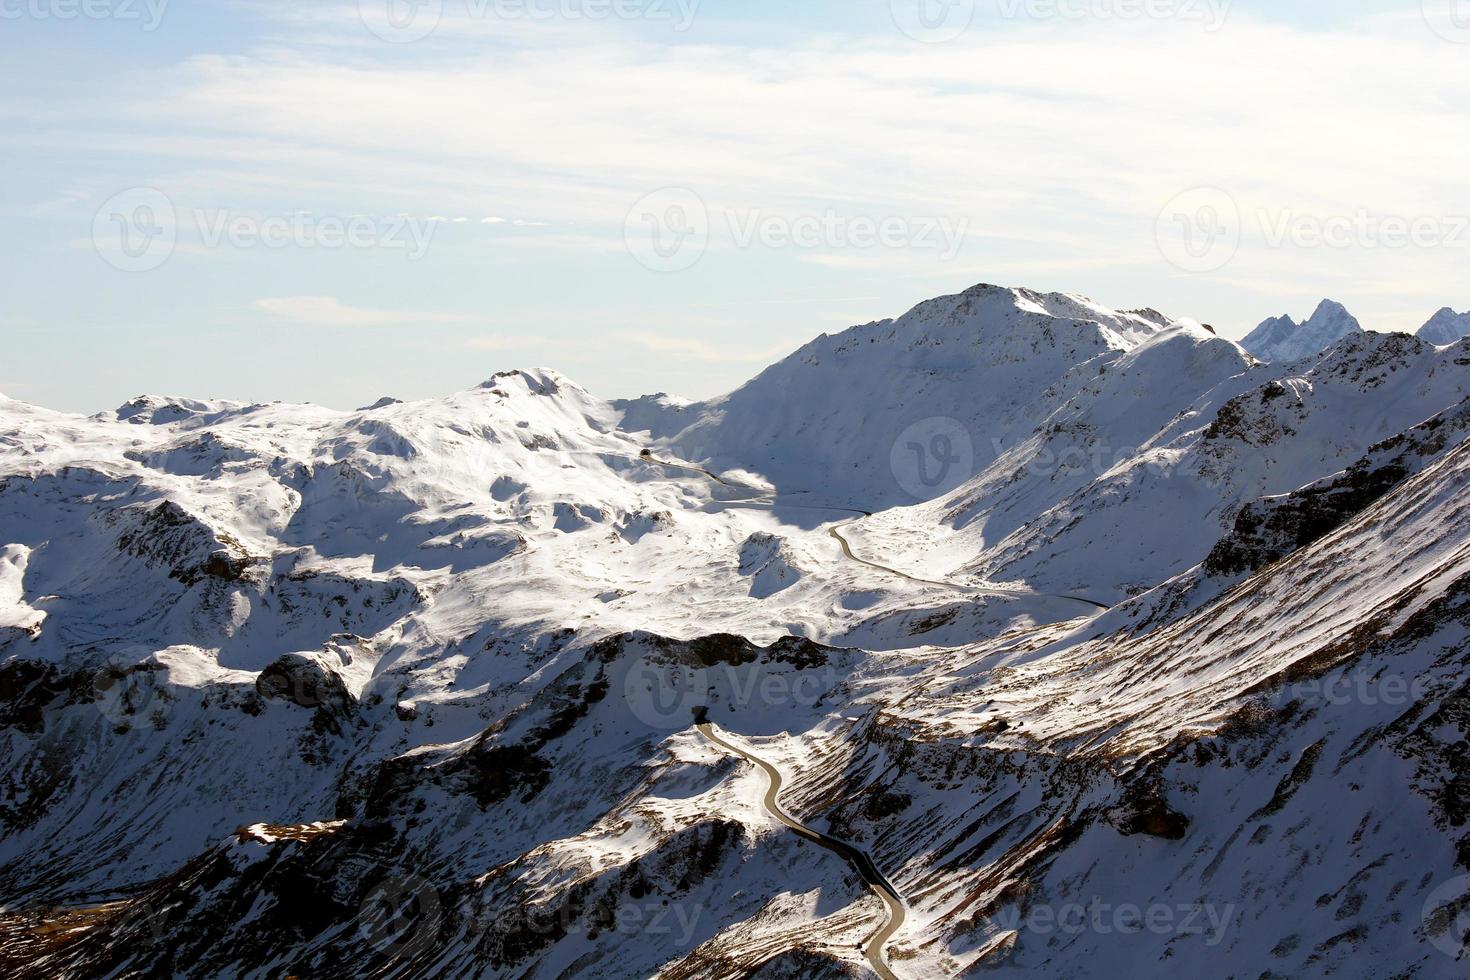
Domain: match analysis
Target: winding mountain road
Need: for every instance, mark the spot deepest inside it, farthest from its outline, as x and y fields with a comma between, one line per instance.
x=861, y=862
x=772, y=500
x=876, y=945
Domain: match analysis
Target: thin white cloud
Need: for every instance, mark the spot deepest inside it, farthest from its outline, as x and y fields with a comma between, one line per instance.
x=702, y=350
x=1019, y=133
x=506, y=343
x=328, y=311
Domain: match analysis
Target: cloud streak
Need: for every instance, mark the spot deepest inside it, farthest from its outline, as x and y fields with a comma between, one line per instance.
x=328, y=311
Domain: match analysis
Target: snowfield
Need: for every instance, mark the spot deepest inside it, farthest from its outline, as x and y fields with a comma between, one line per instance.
x=1083, y=643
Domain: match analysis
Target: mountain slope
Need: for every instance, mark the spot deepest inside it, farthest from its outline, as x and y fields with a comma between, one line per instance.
x=839, y=416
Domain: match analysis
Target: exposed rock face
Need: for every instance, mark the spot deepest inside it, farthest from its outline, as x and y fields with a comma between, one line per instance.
x=1272, y=528
x=307, y=680
x=167, y=536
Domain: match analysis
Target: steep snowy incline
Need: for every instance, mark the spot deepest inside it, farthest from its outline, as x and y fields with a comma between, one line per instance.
x=1282, y=766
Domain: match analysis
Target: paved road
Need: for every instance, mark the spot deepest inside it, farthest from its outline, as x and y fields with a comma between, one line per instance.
x=764, y=499
x=860, y=861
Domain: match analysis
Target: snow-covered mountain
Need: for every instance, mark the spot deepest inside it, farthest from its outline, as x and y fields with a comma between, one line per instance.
x=1012, y=635
x=1281, y=338
x=836, y=416
x=1445, y=327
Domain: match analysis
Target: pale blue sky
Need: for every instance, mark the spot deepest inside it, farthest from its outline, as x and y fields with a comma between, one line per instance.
x=1060, y=144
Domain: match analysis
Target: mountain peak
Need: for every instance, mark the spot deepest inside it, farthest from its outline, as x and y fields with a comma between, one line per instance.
x=538, y=381
x=1445, y=327
x=1331, y=311
x=1283, y=339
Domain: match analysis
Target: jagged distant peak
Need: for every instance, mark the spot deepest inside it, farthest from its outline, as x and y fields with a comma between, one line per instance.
x=1283, y=339
x=1331, y=312
x=1446, y=327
